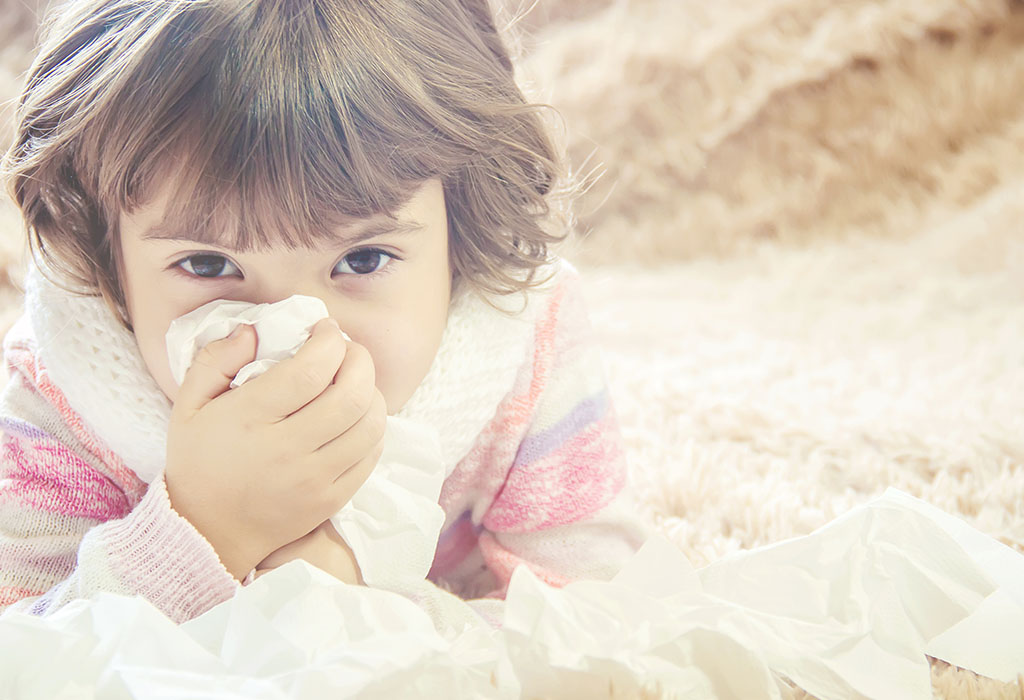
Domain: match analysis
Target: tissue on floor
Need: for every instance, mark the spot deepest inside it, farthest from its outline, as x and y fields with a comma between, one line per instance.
x=849, y=611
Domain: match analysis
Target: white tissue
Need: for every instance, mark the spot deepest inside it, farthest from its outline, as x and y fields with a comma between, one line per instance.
x=393, y=521
x=847, y=612
x=389, y=520
x=281, y=327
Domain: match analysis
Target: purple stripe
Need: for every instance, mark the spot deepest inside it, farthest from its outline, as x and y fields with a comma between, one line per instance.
x=452, y=529
x=539, y=446
x=21, y=428
x=455, y=544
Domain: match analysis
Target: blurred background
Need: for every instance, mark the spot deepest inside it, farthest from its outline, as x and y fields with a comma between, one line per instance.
x=803, y=248
x=723, y=125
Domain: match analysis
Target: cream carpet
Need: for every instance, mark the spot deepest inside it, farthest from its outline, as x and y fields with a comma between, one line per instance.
x=762, y=396
x=806, y=253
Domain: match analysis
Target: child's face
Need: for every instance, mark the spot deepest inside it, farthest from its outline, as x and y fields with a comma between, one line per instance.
x=389, y=292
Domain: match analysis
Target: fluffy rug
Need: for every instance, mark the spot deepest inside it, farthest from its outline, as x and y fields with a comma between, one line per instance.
x=763, y=396
x=804, y=258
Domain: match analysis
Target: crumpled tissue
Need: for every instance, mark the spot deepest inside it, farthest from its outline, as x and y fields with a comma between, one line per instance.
x=393, y=521
x=282, y=328
x=849, y=611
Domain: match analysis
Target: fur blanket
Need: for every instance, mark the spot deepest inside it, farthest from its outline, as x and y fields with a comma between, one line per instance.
x=804, y=254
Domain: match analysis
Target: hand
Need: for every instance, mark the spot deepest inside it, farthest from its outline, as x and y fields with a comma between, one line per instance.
x=323, y=548
x=257, y=467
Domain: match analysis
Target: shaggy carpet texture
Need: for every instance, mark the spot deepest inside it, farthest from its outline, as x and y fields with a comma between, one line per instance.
x=763, y=396
x=804, y=254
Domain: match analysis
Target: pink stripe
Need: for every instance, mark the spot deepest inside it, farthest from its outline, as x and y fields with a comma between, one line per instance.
x=483, y=470
x=22, y=359
x=544, y=351
x=519, y=410
x=566, y=486
x=12, y=594
x=47, y=476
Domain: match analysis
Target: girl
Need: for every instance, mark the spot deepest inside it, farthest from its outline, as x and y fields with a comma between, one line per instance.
x=375, y=154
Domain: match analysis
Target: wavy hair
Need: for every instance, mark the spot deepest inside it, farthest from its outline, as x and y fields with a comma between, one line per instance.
x=276, y=121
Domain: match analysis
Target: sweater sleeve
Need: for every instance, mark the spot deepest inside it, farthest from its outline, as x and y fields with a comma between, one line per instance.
x=550, y=471
x=72, y=524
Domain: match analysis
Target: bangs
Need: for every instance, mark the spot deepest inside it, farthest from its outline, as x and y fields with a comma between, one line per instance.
x=262, y=122
x=284, y=136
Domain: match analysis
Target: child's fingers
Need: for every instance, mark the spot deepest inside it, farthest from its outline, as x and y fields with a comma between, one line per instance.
x=214, y=367
x=350, y=480
x=292, y=383
x=340, y=406
x=363, y=439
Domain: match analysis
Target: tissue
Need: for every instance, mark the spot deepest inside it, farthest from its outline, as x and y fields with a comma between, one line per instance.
x=847, y=612
x=281, y=327
x=393, y=521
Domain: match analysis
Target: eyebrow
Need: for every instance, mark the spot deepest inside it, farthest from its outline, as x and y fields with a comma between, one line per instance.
x=363, y=232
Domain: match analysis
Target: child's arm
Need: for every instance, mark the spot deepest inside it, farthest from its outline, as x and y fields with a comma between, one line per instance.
x=74, y=520
x=558, y=499
x=68, y=527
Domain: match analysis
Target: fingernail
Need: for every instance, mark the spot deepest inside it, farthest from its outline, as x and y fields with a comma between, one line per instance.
x=235, y=333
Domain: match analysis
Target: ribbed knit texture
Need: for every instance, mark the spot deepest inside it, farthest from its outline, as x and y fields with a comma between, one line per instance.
x=536, y=471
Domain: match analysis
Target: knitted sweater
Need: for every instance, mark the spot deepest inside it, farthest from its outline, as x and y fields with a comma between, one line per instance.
x=535, y=466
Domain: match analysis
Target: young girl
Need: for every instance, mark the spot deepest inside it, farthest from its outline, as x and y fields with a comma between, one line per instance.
x=377, y=155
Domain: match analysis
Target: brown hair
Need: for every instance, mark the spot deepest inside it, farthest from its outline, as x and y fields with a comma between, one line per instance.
x=279, y=120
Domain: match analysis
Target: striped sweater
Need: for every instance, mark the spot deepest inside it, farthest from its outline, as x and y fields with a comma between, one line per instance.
x=536, y=472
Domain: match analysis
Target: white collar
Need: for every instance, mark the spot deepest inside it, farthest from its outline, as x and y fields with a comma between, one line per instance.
x=96, y=363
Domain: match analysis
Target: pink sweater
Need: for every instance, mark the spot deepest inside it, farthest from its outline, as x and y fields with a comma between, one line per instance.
x=544, y=485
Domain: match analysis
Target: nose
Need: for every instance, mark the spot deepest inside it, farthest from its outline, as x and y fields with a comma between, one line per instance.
x=267, y=289
x=280, y=292
x=274, y=275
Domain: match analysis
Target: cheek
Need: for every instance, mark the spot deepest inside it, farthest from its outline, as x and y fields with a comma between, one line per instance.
x=151, y=315
x=150, y=337
x=402, y=338
x=401, y=357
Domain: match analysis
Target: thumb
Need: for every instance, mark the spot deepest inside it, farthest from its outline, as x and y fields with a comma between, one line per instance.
x=214, y=367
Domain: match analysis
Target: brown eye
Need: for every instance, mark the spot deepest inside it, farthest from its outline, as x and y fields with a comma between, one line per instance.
x=363, y=262
x=206, y=265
